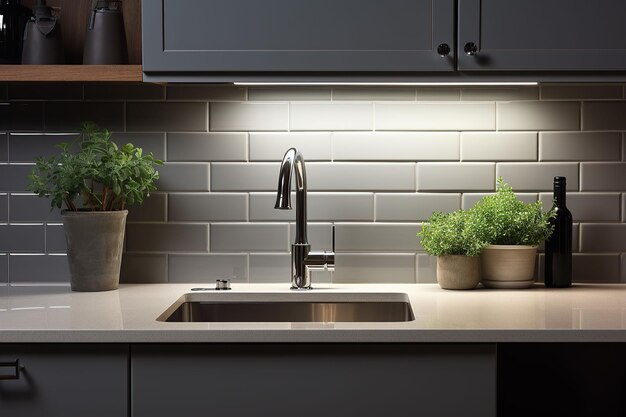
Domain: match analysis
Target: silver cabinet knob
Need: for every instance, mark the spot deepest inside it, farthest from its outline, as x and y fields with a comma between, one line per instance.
x=443, y=50
x=470, y=48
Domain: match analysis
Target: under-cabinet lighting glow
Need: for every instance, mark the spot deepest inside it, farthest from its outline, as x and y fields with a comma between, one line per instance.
x=389, y=83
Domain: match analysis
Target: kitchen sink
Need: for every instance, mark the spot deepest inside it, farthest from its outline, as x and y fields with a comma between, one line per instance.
x=290, y=307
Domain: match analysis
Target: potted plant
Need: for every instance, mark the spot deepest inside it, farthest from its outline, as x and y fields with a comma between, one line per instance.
x=95, y=180
x=456, y=241
x=513, y=229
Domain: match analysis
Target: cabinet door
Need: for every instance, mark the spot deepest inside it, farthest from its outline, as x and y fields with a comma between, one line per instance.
x=65, y=380
x=543, y=35
x=296, y=35
x=314, y=380
x=570, y=379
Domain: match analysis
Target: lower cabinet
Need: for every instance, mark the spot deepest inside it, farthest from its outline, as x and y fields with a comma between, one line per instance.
x=562, y=379
x=314, y=380
x=63, y=380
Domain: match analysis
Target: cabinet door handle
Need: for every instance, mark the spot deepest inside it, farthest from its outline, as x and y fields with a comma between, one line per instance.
x=10, y=370
x=443, y=50
x=470, y=48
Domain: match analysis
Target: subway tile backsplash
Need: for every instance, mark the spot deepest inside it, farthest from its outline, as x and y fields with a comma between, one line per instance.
x=579, y=146
x=379, y=162
x=538, y=115
x=189, y=147
x=435, y=116
x=396, y=146
x=499, y=146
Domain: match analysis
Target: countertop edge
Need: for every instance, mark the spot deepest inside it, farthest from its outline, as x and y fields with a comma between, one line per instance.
x=315, y=336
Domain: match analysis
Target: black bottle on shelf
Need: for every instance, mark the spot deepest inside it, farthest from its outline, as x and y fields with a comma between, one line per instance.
x=13, y=18
x=558, y=261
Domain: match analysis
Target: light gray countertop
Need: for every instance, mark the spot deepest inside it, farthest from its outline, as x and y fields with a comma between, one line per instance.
x=583, y=313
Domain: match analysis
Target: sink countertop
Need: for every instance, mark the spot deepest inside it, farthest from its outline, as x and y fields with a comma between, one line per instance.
x=54, y=314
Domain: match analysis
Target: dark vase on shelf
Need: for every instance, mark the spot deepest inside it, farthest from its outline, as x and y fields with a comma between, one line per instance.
x=558, y=261
x=105, y=40
x=13, y=18
x=42, y=38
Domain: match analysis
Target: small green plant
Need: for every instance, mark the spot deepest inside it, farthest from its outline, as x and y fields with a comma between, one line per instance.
x=456, y=233
x=93, y=168
x=506, y=220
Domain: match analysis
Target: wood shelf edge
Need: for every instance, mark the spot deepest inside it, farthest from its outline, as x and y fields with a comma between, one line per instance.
x=121, y=73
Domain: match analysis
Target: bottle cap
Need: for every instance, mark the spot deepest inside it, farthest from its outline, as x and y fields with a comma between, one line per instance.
x=559, y=180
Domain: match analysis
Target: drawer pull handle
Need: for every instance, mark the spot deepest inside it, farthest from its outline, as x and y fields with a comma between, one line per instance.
x=12, y=370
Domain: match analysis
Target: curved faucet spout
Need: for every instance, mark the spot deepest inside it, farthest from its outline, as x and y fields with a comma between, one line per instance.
x=293, y=161
x=303, y=260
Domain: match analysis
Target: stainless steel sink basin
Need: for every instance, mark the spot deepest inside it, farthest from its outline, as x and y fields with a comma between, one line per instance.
x=290, y=307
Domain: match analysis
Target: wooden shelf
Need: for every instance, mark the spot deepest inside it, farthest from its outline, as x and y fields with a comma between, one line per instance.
x=70, y=73
x=74, y=16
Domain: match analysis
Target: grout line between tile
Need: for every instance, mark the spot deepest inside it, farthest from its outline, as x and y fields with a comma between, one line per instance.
x=247, y=146
x=45, y=237
x=374, y=209
x=125, y=116
x=538, y=143
x=581, y=104
x=373, y=116
x=207, y=112
x=496, y=115
x=208, y=242
x=43, y=116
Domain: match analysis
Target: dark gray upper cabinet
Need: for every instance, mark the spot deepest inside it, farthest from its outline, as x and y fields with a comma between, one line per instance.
x=542, y=35
x=298, y=35
x=384, y=40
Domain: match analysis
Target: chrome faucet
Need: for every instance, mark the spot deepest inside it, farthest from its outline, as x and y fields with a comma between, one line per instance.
x=303, y=260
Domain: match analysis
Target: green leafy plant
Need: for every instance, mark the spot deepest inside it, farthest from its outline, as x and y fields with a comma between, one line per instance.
x=94, y=169
x=506, y=220
x=456, y=233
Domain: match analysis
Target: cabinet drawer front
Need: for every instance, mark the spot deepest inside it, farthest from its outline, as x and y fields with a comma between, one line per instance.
x=66, y=380
x=314, y=380
x=303, y=35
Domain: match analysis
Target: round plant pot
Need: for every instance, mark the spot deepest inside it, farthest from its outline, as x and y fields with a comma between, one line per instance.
x=95, y=240
x=457, y=272
x=508, y=266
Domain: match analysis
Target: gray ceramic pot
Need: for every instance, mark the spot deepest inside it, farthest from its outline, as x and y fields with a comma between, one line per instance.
x=457, y=272
x=95, y=240
x=508, y=266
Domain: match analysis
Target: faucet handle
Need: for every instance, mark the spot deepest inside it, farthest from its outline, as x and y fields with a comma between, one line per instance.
x=320, y=261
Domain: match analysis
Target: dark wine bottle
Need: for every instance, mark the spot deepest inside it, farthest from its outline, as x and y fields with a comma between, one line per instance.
x=558, y=262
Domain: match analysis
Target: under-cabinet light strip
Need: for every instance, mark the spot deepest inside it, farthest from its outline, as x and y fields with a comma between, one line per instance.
x=390, y=83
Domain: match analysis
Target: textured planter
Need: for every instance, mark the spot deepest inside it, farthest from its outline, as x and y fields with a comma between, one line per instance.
x=456, y=272
x=508, y=266
x=94, y=248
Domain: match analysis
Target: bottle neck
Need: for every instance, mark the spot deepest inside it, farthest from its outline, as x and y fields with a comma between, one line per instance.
x=559, y=195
